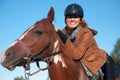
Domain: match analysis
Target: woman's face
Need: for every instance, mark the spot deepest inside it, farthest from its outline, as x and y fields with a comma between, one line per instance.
x=72, y=21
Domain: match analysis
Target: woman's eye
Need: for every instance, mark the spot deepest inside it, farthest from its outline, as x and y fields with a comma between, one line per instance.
x=38, y=32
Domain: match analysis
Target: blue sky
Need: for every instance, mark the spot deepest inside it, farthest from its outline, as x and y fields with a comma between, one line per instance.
x=18, y=15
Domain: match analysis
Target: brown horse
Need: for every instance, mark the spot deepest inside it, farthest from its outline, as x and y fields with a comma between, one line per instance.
x=41, y=42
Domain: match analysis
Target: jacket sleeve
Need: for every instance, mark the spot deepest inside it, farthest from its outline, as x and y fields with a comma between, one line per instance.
x=77, y=52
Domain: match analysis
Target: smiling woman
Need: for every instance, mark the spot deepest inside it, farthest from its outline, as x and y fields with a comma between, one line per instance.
x=17, y=16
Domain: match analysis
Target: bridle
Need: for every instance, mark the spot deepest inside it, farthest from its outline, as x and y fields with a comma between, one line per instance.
x=36, y=58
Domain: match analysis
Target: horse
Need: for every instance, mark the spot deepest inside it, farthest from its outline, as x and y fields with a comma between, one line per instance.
x=41, y=43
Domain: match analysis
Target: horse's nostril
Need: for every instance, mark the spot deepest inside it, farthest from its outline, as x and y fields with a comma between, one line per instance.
x=8, y=54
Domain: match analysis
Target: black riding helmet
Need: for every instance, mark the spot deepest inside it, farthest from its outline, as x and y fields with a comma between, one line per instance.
x=74, y=9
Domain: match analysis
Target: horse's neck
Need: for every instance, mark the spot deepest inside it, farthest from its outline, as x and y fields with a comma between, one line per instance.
x=64, y=69
x=57, y=42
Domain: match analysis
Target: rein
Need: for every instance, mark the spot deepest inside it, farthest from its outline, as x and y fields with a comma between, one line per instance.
x=36, y=58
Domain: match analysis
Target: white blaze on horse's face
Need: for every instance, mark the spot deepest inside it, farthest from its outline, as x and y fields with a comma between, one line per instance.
x=3, y=55
x=11, y=45
x=26, y=32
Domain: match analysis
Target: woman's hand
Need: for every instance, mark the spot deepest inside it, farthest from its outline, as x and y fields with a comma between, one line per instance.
x=56, y=29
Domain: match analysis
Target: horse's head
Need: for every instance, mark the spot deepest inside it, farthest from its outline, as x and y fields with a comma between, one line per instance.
x=37, y=40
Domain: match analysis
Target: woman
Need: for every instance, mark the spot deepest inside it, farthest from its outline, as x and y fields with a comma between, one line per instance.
x=80, y=43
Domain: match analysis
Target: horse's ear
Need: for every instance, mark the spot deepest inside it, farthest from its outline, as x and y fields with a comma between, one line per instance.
x=50, y=15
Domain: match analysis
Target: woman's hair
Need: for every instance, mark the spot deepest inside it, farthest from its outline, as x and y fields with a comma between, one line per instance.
x=83, y=23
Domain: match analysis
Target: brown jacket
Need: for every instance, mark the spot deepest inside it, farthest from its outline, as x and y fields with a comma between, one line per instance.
x=86, y=49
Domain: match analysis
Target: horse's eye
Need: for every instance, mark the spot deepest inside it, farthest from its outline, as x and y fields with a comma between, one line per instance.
x=38, y=32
